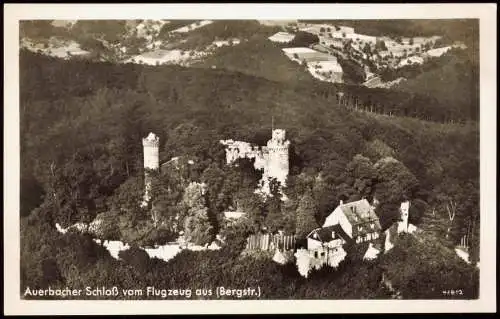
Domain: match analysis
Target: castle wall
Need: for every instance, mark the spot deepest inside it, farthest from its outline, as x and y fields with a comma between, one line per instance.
x=238, y=149
x=273, y=158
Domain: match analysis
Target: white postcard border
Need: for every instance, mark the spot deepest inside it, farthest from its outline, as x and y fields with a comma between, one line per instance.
x=485, y=12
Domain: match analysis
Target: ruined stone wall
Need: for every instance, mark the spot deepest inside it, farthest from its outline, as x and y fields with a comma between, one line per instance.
x=273, y=158
x=238, y=149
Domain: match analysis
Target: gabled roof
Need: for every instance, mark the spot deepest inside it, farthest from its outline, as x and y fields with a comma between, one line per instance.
x=361, y=214
x=358, y=211
x=324, y=234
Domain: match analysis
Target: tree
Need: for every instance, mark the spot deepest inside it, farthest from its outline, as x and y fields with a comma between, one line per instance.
x=129, y=196
x=213, y=177
x=31, y=192
x=418, y=208
x=325, y=197
x=362, y=173
x=109, y=229
x=166, y=194
x=193, y=200
x=304, y=39
x=457, y=207
x=254, y=208
x=288, y=209
x=425, y=268
x=274, y=217
x=394, y=183
x=235, y=237
x=74, y=189
x=136, y=257
x=394, y=180
x=305, y=221
x=197, y=227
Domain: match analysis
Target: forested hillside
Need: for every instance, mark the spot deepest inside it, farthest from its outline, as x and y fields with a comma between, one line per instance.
x=81, y=155
x=258, y=57
x=224, y=30
x=455, y=83
x=451, y=30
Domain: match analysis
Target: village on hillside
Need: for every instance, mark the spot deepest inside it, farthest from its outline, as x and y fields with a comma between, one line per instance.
x=369, y=52
x=147, y=44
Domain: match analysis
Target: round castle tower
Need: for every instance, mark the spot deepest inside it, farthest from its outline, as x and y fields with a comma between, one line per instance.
x=151, y=145
x=277, y=158
x=151, y=151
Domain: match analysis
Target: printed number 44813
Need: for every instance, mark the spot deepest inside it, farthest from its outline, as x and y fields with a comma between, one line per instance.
x=453, y=292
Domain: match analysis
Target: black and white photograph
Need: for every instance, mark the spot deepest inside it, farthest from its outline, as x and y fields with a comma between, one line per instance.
x=251, y=159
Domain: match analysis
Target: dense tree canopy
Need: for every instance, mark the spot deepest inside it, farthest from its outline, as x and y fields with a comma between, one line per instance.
x=81, y=130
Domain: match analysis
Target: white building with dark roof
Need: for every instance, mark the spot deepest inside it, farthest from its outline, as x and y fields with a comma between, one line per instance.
x=357, y=219
x=325, y=246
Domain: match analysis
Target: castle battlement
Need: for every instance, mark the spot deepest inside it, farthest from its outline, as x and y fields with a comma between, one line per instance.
x=152, y=140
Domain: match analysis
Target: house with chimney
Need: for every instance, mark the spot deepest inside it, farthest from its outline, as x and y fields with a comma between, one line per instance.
x=325, y=246
x=351, y=223
x=357, y=219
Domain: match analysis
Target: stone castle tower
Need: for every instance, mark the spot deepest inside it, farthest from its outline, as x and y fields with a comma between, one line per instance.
x=276, y=157
x=151, y=145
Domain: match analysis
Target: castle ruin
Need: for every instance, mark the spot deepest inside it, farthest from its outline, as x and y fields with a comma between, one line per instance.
x=272, y=159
